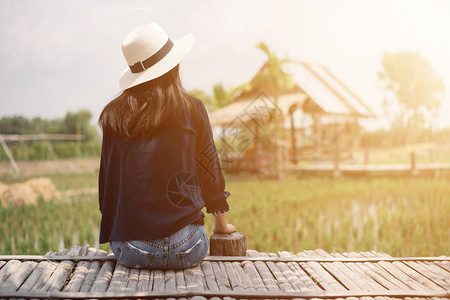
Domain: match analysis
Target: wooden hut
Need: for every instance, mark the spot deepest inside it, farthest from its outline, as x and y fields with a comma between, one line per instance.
x=319, y=115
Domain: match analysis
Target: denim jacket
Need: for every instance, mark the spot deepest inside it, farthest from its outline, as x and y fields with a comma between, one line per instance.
x=151, y=189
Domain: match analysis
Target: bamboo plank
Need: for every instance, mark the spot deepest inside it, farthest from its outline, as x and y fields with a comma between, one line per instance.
x=389, y=275
x=293, y=280
x=18, y=276
x=305, y=282
x=33, y=277
x=341, y=276
x=119, y=279
x=419, y=279
x=430, y=273
x=435, y=268
x=8, y=269
x=170, y=279
x=235, y=282
x=373, y=272
x=282, y=281
x=103, y=278
x=366, y=281
x=364, y=271
x=91, y=276
x=443, y=264
x=194, y=278
x=221, y=277
x=80, y=273
x=158, y=281
x=267, y=277
x=195, y=281
x=62, y=272
x=252, y=273
x=47, y=272
x=133, y=279
x=359, y=277
x=143, y=282
x=222, y=268
x=245, y=280
x=321, y=276
x=404, y=278
x=343, y=273
x=209, y=276
x=309, y=283
x=59, y=277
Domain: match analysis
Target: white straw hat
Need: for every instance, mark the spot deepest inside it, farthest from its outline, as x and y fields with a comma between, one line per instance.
x=150, y=53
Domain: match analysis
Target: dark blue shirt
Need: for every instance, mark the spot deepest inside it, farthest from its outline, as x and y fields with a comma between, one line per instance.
x=151, y=189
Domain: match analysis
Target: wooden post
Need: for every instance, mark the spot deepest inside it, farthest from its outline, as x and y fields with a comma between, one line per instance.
x=233, y=244
x=10, y=156
x=78, y=141
x=293, y=141
x=337, y=155
x=366, y=156
x=413, y=163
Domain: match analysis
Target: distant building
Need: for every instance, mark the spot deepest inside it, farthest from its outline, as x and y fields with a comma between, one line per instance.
x=318, y=112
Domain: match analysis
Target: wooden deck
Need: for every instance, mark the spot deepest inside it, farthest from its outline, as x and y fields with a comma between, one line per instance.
x=87, y=273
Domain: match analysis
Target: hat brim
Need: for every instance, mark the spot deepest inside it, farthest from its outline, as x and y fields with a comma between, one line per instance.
x=181, y=47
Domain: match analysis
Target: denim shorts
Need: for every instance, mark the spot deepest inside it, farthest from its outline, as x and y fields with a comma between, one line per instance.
x=185, y=248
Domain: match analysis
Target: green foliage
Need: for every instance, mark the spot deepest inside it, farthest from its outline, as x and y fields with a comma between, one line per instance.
x=78, y=122
x=221, y=96
x=413, y=93
x=39, y=150
x=271, y=77
x=73, y=123
x=207, y=99
x=402, y=217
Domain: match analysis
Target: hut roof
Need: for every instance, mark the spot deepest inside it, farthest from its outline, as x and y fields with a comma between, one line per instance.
x=310, y=81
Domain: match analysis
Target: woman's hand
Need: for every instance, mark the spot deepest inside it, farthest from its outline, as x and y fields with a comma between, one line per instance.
x=221, y=225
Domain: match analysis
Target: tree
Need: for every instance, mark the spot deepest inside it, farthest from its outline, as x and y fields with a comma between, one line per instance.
x=221, y=96
x=78, y=122
x=271, y=76
x=207, y=99
x=272, y=80
x=413, y=92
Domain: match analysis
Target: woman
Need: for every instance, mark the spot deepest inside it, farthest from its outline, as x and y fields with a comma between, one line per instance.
x=159, y=166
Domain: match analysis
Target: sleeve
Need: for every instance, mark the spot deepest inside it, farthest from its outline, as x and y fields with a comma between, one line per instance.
x=208, y=166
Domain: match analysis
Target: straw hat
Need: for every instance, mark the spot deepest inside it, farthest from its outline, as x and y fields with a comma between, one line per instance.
x=150, y=53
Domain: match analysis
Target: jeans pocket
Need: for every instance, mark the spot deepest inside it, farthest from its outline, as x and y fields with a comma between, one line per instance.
x=195, y=254
x=133, y=256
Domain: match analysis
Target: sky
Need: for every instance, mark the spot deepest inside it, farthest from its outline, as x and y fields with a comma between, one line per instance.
x=60, y=56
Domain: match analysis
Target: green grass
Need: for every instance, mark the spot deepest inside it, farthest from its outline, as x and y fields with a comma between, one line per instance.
x=400, y=216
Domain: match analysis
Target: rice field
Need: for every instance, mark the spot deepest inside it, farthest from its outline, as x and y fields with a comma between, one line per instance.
x=400, y=216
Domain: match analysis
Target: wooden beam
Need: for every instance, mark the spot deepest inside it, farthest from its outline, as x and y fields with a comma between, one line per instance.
x=42, y=137
x=223, y=293
x=9, y=154
x=231, y=258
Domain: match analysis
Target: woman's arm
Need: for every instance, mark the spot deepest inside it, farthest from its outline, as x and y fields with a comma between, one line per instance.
x=221, y=225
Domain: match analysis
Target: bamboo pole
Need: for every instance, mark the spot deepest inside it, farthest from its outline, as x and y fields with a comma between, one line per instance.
x=9, y=154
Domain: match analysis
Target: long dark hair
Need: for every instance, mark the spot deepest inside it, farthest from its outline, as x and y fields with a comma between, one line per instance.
x=141, y=110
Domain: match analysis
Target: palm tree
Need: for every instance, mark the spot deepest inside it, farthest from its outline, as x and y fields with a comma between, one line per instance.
x=272, y=80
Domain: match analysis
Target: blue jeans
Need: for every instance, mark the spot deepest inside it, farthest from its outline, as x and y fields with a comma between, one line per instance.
x=185, y=248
